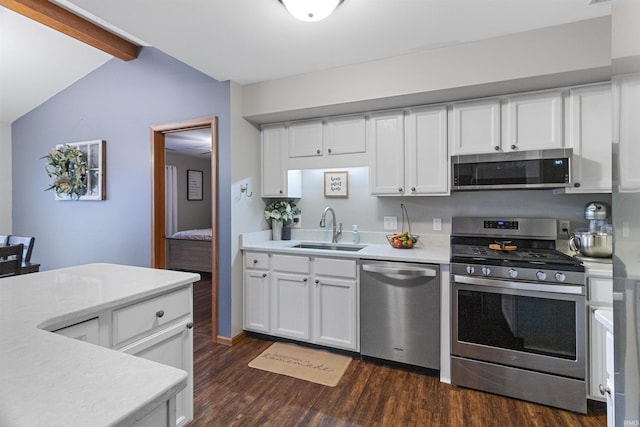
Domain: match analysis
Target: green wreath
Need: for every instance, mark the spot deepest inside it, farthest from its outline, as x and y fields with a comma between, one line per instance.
x=68, y=168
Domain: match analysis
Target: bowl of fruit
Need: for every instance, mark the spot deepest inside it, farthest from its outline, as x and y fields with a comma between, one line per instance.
x=404, y=240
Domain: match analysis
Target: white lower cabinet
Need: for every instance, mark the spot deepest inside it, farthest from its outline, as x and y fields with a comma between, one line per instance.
x=309, y=299
x=609, y=390
x=256, y=292
x=160, y=329
x=173, y=347
x=600, y=295
x=88, y=331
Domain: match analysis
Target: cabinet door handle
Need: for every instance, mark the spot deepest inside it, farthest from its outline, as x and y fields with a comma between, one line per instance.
x=400, y=190
x=318, y=151
x=264, y=274
x=281, y=191
x=604, y=390
x=413, y=189
x=497, y=147
x=305, y=280
x=317, y=282
x=160, y=313
x=576, y=184
x=513, y=147
x=255, y=261
x=190, y=325
x=329, y=150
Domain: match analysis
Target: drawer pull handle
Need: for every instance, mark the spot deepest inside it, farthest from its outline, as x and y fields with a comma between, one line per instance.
x=264, y=274
x=160, y=313
x=255, y=261
x=190, y=325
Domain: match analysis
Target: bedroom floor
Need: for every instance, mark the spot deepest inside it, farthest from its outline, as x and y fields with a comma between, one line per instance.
x=229, y=393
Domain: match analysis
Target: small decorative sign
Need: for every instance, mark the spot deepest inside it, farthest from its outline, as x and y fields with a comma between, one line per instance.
x=336, y=184
x=194, y=184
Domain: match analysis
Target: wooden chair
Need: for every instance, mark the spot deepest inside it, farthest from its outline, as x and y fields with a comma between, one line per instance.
x=11, y=260
x=28, y=243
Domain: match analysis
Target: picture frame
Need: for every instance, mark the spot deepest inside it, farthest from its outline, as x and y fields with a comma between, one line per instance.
x=94, y=152
x=194, y=184
x=336, y=184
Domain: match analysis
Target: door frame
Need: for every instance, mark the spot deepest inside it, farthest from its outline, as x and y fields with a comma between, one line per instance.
x=158, y=217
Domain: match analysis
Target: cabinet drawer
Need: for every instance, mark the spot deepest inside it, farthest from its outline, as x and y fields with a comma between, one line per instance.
x=143, y=317
x=600, y=291
x=290, y=263
x=346, y=268
x=256, y=260
x=88, y=331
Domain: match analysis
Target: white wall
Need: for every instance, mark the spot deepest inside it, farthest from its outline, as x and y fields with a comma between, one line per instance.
x=246, y=212
x=5, y=178
x=562, y=55
x=368, y=212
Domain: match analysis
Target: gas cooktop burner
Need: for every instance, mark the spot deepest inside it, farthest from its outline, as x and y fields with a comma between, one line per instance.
x=534, y=255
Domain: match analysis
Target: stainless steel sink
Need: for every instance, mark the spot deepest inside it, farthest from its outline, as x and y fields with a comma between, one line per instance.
x=329, y=246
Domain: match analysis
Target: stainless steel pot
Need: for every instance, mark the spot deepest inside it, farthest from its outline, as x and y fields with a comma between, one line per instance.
x=592, y=244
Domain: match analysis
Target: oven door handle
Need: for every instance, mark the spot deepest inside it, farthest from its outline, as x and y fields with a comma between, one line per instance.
x=525, y=286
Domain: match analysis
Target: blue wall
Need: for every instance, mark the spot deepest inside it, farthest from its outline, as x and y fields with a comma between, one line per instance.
x=117, y=102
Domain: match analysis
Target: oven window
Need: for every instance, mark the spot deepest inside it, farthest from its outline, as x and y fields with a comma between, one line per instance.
x=532, y=325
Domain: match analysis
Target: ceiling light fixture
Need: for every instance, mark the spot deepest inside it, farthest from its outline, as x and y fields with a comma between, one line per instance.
x=310, y=10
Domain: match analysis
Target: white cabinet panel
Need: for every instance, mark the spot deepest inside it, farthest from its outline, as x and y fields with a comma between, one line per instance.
x=597, y=359
x=426, y=153
x=386, y=137
x=88, y=331
x=533, y=122
x=345, y=135
x=589, y=133
x=256, y=300
x=346, y=268
x=290, y=306
x=335, y=305
x=274, y=173
x=173, y=347
x=305, y=138
x=143, y=317
x=290, y=263
x=475, y=127
x=258, y=260
x=628, y=130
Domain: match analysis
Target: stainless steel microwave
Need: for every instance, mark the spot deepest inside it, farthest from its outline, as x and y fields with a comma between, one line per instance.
x=519, y=170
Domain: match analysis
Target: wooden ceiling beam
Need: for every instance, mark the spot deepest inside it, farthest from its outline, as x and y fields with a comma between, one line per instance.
x=68, y=23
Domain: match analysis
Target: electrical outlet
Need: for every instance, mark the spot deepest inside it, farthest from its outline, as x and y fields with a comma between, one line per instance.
x=390, y=222
x=437, y=224
x=564, y=228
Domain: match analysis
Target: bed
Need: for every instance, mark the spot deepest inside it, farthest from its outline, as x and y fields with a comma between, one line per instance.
x=190, y=250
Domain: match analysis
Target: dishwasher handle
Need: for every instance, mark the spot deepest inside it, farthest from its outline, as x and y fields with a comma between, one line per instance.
x=404, y=271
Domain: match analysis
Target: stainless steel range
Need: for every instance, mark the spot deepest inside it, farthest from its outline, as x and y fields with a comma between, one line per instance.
x=518, y=312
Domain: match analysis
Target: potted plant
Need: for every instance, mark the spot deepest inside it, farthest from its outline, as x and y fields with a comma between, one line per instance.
x=277, y=213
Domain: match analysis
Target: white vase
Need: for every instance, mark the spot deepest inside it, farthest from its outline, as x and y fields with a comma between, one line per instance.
x=276, y=229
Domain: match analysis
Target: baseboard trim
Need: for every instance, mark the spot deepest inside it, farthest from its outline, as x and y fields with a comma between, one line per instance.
x=231, y=341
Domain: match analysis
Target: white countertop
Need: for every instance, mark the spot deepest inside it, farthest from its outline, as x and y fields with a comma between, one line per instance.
x=435, y=251
x=605, y=317
x=47, y=379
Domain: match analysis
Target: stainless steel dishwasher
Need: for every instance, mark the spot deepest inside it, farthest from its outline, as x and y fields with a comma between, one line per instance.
x=400, y=312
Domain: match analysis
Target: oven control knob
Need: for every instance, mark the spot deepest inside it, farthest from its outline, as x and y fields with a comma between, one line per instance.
x=541, y=275
x=486, y=271
x=513, y=273
x=470, y=269
x=560, y=277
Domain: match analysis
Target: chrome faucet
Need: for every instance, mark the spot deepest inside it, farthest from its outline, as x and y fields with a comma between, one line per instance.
x=336, y=234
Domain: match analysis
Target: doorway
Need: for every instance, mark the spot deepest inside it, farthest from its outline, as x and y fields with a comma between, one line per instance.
x=158, y=217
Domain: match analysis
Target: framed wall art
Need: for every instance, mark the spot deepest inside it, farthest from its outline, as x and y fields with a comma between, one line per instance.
x=78, y=170
x=194, y=184
x=336, y=184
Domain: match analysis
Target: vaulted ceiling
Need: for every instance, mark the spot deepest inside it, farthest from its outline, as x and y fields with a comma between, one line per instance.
x=256, y=40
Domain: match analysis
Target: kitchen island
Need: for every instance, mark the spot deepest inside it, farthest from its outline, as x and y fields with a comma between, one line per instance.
x=50, y=379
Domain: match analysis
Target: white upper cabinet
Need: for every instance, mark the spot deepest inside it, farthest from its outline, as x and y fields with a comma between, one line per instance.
x=475, y=127
x=386, y=138
x=305, y=138
x=277, y=180
x=345, y=135
x=627, y=131
x=533, y=122
x=426, y=155
x=589, y=133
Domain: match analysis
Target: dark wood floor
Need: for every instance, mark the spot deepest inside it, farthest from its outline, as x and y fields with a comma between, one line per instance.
x=229, y=393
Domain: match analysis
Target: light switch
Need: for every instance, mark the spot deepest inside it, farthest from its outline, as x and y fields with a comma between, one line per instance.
x=390, y=222
x=437, y=224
